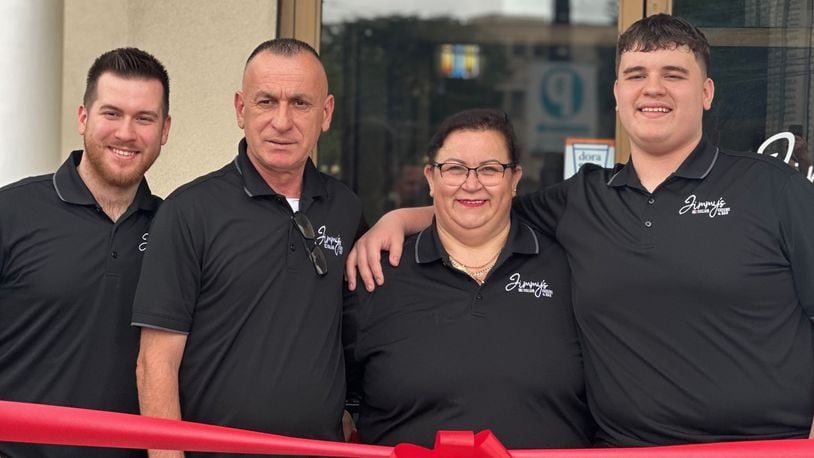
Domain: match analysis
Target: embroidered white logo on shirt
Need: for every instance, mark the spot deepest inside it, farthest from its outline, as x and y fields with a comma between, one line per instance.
x=143, y=245
x=711, y=208
x=332, y=243
x=538, y=288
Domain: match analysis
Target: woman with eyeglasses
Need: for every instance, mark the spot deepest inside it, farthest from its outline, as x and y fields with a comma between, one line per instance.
x=474, y=330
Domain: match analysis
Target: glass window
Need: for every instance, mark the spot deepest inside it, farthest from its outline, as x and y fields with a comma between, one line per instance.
x=761, y=65
x=398, y=69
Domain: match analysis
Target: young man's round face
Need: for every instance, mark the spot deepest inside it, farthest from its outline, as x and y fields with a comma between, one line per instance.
x=661, y=97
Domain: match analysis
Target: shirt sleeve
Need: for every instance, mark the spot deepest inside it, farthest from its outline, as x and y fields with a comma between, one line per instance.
x=170, y=273
x=5, y=211
x=351, y=304
x=543, y=209
x=2, y=253
x=796, y=212
x=350, y=333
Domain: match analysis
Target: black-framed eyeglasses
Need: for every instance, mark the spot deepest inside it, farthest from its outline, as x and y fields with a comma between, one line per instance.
x=315, y=253
x=490, y=174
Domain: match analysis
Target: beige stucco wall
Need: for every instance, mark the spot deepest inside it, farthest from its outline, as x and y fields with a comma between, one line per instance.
x=203, y=44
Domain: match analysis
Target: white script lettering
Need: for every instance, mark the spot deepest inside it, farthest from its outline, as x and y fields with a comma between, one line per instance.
x=711, y=208
x=330, y=243
x=538, y=288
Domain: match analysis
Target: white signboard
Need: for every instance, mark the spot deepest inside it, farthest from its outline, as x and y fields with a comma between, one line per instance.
x=579, y=151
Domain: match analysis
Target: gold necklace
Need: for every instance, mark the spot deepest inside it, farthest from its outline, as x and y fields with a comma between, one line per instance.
x=478, y=273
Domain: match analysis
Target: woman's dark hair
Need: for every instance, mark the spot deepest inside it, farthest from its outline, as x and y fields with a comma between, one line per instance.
x=477, y=119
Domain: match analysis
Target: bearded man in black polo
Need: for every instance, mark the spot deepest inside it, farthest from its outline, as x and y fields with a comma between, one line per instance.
x=71, y=245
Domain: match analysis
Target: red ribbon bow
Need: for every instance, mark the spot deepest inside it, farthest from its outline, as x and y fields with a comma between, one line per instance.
x=456, y=444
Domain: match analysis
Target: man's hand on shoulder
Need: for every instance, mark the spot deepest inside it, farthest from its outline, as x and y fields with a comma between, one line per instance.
x=386, y=235
x=366, y=255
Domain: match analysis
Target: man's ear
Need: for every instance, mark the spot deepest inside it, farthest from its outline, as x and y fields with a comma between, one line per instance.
x=239, y=106
x=327, y=112
x=82, y=119
x=709, y=93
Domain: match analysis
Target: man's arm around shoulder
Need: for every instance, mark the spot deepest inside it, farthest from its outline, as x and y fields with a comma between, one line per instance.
x=388, y=235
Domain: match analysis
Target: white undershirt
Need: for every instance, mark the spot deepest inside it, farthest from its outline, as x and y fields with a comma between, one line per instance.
x=294, y=202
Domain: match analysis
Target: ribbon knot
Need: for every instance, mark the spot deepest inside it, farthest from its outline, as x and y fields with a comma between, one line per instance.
x=456, y=444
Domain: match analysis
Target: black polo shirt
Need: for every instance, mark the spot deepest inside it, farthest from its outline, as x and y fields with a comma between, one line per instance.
x=227, y=266
x=439, y=352
x=692, y=301
x=67, y=279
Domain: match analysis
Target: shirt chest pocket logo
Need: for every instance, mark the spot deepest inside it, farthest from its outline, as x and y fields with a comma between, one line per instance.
x=711, y=208
x=331, y=243
x=537, y=287
x=143, y=245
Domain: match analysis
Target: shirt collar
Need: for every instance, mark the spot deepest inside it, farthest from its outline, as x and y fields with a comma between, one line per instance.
x=521, y=240
x=255, y=186
x=71, y=189
x=696, y=166
x=700, y=161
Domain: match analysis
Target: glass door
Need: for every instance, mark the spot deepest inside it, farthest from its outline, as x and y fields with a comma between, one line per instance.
x=398, y=69
x=761, y=65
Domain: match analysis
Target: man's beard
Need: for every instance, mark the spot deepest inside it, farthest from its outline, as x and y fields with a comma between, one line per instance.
x=110, y=175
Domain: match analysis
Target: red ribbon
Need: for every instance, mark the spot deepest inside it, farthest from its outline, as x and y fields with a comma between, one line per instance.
x=456, y=444
x=465, y=444
x=44, y=424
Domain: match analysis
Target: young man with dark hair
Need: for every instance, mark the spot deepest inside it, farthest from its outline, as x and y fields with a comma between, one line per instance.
x=241, y=294
x=71, y=245
x=691, y=264
x=128, y=63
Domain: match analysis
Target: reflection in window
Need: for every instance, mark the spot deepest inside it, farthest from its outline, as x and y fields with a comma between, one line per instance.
x=397, y=73
x=761, y=65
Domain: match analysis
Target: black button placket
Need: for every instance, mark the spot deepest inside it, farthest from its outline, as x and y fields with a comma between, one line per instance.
x=649, y=222
x=479, y=301
x=114, y=247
